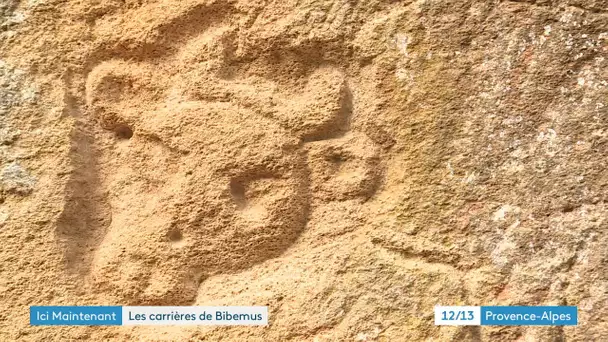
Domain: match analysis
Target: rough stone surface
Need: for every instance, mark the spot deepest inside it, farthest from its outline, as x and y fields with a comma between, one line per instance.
x=17, y=180
x=350, y=164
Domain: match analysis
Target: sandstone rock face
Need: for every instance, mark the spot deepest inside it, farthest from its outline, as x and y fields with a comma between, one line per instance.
x=350, y=164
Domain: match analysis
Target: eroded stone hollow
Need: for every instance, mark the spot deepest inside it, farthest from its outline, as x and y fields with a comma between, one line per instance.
x=123, y=132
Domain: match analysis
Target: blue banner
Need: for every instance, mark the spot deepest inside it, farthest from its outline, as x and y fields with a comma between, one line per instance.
x=75, y=315
x=529, y=315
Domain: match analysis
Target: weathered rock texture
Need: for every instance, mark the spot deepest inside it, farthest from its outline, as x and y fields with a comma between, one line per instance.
x=350, y=164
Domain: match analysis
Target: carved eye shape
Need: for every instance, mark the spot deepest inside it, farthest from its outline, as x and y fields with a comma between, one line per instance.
x=344, y=168
x=118, y=91
x=109, y=83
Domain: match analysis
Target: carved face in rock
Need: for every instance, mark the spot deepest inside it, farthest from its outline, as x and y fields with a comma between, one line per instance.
x=210, y=176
